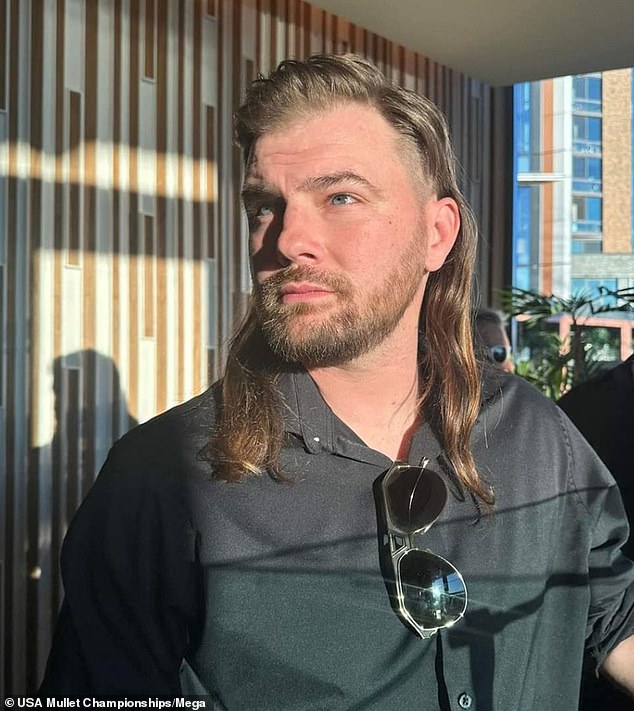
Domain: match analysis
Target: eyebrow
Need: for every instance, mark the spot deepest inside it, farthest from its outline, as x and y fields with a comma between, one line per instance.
x=257, y=191
x=255, y=188
x=321, y=182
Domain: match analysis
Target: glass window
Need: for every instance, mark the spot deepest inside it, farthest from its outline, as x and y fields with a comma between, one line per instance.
x=586, y=128
x=587, y=92
x=586, y=133
x=526, y=137
x=586, y=174
x=586, y=246
x=587, y=208
x=591, y=287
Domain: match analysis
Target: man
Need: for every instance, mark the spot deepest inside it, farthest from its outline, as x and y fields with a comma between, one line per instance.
x=492, y=340
x=257, y=545
x=603, y=410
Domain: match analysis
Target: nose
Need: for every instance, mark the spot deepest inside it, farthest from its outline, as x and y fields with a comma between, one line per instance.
x=298, y=241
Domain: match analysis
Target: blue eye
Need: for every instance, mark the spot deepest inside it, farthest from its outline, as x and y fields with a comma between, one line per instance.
x=264, y=211
x=342, y=199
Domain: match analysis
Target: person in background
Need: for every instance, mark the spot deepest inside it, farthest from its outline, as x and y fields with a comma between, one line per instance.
x=603, y=409
x=354, y=517
x=492, y=340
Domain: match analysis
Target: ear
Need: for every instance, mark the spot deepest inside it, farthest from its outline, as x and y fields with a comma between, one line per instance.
x=442, y=219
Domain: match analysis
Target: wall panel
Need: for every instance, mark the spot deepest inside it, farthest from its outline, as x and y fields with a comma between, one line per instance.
x=123, y=263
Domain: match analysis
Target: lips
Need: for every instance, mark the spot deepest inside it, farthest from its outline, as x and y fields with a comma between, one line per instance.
x=304, y=291
x=304, y=288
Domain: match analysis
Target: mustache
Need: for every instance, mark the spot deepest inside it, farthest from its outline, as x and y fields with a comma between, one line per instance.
x=272, y=285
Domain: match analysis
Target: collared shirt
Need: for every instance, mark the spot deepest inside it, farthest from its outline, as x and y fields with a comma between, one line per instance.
x=269, y=596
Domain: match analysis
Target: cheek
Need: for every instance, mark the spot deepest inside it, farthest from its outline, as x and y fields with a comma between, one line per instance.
x=258, y=260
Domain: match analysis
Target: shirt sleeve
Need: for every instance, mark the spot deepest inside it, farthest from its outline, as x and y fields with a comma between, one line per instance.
x=131, y=589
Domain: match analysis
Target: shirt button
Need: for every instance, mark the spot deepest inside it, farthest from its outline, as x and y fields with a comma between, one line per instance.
x=465, y=701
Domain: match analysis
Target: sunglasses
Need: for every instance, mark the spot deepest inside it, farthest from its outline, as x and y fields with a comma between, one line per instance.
x=499, y=354
x=430, y=593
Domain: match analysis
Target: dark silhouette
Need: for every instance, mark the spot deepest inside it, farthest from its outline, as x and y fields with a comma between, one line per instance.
x=89, y=403
x=603, y=409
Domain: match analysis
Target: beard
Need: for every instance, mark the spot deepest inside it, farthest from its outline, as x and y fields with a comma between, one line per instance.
x=347, y=330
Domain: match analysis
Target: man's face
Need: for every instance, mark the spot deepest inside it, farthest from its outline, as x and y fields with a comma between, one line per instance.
x=338, y=225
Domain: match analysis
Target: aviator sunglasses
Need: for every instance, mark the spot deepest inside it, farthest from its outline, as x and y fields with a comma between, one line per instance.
x=430, y=593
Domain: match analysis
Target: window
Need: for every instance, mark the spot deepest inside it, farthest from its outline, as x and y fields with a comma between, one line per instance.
x=586, y=174
x=586, y=246
x=527, y=139
x=591, y=287
x=525, y=203
x=587, y=92
x=586, y=214
x=586, y=132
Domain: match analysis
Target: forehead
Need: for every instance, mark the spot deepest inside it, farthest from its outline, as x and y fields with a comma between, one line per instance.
x=352, y=136
x=492, y=334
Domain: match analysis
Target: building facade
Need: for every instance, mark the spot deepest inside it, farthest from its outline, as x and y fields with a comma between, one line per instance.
x=573, y=193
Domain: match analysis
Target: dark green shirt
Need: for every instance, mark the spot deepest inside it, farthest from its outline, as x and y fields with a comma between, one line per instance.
x=269, y=596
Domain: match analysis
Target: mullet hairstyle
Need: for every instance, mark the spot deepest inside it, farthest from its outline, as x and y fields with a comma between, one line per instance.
x=249, y=432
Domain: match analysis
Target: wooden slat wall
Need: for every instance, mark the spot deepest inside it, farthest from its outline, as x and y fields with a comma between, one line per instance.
x=123, y=267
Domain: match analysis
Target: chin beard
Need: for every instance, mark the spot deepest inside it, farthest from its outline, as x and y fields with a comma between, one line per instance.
x=299, y=337
x=297, y=333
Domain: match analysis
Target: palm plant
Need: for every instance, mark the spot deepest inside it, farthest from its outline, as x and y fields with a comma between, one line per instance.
x=570, y=361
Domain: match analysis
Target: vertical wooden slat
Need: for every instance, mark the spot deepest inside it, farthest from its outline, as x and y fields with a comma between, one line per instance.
x=34, y=625
x=3, y=346
x=161, y=254
x=212, y=195
x=59, y=246
x=74, y=187
x=236, y=172
x=4, y=45
x=196, y=125
x=117, y=255
x=180, y=207
x=150, y=29
x=14, y=508
x=72, y=437
x=149, y=291
x=89, y=233
x=221, y=296
x=133, y=219
x=197, y=129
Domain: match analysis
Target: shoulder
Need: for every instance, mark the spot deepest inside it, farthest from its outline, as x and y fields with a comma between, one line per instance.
x=531, y=436
x=151, y=466
x=608, y=390
x=144, y=484
x=169, y=438
x=515, y=417
x=514, y=396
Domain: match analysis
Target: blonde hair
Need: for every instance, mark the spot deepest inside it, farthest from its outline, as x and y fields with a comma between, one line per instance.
x=249, y=431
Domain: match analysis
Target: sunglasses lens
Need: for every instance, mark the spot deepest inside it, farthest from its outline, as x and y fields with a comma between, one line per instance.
x=414, y=497
x=434, y=592
x=499, y=354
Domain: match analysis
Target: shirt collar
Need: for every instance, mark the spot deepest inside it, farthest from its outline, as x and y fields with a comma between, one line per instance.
x=307, y=415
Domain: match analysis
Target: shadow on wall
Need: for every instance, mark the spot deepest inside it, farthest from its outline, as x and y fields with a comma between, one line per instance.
x=91, y=412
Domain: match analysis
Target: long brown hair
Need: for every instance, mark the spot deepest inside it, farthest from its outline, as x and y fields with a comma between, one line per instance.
x=249, y=431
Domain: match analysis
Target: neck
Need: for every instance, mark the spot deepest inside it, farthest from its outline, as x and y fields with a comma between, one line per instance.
x=376, y=395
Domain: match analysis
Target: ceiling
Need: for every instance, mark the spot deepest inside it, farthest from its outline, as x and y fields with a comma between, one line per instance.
x=504, y=41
